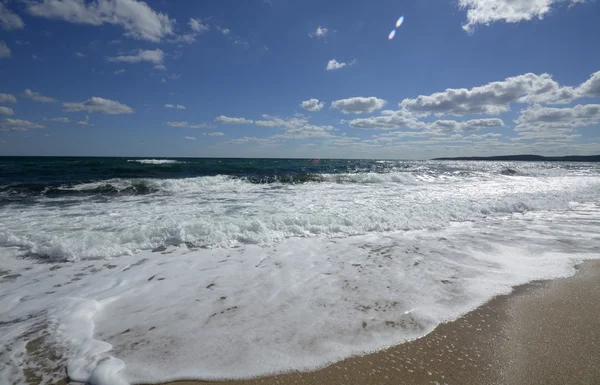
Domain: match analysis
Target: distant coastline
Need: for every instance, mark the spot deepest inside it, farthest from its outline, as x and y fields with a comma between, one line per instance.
x=570, y=158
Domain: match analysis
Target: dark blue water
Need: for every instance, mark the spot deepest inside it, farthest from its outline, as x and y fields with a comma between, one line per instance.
x=27, y=177
x=37, y=175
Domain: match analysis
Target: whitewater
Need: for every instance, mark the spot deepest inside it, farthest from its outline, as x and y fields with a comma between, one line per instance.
x=125, y=271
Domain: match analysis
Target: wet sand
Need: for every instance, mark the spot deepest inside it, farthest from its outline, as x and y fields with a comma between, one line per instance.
x=543, y=333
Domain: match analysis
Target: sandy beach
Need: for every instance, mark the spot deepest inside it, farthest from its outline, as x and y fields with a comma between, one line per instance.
x=542, y=333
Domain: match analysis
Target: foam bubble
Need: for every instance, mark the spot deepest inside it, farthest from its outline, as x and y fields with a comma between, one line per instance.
x=297, y=306
x=155, y=161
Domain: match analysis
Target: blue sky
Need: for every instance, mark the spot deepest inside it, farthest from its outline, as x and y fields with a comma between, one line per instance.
x=284, y=78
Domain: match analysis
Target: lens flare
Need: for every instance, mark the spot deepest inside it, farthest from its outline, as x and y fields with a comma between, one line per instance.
x=392, y=34
x=400, y=21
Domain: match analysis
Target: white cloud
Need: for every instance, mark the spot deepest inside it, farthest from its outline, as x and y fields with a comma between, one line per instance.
x=79, y=54
x=99, y=105
x=273, y=122
x=7, y=98
x=358, y=105
x=227, y=120
x=333, y=65
x=538, y=118
x=61, y=120
x=197, y=26
x=190, y=137
x=469, y=125
x=6, y=111
x=306, y=131
x=153, y=56
x=84, y=122
x=545, y=136
x=487, y=12
x=213, y=134
x=388, y=120
x=591, y=87
x=173, y=77
x=482, y=136
x=38, y=97
x=136, y=17
x=187, y=38
x=493, y=98
x=9, y=20
x=17, y=125
x=312, y=105
x=4, y=50
x=224, y=31
x=247, y=139
x=20, y=42
x=35, y=57
x=320, y=32
x=187, y=125
x=121, y=71
x=177, y=106
x=160, y=67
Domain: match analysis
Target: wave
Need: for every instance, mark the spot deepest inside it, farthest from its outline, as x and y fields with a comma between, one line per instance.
x=155, y=161
x=224, y=211
x=143, y=186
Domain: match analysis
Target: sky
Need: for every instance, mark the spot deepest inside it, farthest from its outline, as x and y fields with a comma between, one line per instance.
x=309, y=79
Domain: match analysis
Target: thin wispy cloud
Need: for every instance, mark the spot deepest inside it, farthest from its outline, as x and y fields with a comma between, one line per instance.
x=98, y=105
x=155, y=56
x=137, y=18
x=29, y=94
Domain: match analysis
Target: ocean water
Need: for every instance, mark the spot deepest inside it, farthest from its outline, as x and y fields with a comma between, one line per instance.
x=127, y=271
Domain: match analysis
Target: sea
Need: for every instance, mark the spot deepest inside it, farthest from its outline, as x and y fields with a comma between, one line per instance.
x=119, y=271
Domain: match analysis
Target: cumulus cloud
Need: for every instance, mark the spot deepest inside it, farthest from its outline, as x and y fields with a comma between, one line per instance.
x=155, y=56
x=306, y=131
x=213, y=134
x=135, y=17
x=17, y=125
x=9, y=20
x=6, y=111
x=38, y=97
x=359, y=105
x=176, y=106
x=320, y=32
x=469, y=125
x=197, y=26
x=99, y=105
x=84, y=122
x=187, y=125
x=487, y=12
x=160, y=67
x=538, y=118
x=190, y=137
x=61, y=120
x=545, y=136
x=333, y=65
x=274, y=122
x=388, y=120
x=312, y=105
x=224, y=31
x=4, y=50
x=493, y=98
x=228, y=120
x=7, y=98
x=590, y=88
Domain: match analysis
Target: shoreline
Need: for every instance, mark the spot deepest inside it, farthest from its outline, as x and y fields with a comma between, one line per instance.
x=542, y=332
